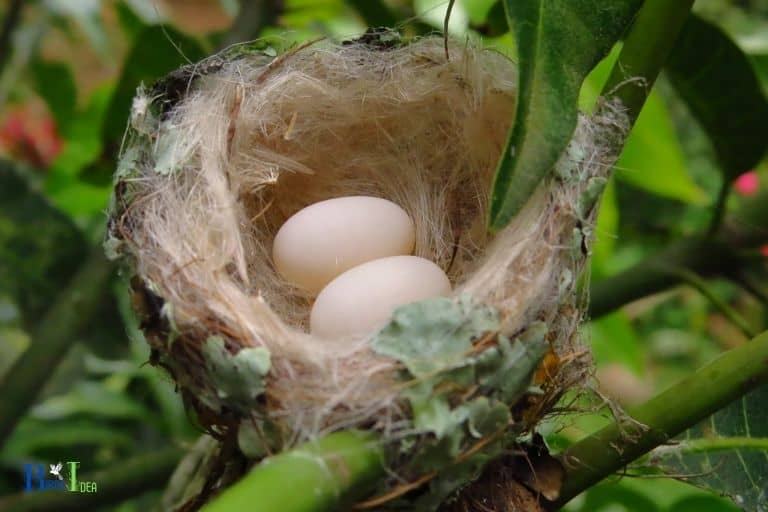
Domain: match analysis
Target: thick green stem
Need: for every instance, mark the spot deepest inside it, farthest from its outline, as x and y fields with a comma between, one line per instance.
x=646, y=48
x=51, y=339
x=126, y=479
x=313, y=477
x=714, y=386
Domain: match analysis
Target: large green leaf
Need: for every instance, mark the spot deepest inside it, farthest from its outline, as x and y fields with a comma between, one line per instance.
x=559, y=42
x=727, y=453
x=716, y=80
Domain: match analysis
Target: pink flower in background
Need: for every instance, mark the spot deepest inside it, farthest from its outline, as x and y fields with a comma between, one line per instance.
x=747, y=184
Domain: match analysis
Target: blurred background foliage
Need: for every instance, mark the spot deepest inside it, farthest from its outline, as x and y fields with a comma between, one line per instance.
x=69, y=70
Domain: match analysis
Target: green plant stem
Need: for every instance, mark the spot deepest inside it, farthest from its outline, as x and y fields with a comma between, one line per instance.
x=50, y=340
x=315, y=476
x=646, y=48
x=703, y=256
x=126, y=479
x=712, y=387
x=731, y=314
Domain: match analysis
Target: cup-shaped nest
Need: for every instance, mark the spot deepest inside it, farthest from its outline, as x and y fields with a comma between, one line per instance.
x=218, y=155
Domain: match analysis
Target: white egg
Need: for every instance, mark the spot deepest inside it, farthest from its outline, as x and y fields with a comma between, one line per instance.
x=362, y=299
x=327, y=238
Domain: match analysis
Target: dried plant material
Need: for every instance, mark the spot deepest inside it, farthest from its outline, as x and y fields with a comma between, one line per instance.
x=230, y=148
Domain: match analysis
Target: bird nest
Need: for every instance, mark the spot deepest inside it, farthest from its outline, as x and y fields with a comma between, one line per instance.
x=218, y=155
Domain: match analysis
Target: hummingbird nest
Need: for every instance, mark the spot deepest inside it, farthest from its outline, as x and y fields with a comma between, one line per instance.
x=218, y=155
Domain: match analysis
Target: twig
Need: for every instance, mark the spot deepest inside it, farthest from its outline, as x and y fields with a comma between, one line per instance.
x=670, y=413
x=56, y=332
x=127, y=479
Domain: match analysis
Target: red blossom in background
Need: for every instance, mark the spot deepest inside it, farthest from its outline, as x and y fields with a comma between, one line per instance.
x=747, y=184
x=29, y=136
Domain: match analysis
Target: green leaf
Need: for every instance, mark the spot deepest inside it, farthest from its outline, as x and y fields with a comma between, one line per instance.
x=40, y=248
x=559, y=42
x=54, y=83
x=716, y=80
x=727, y=453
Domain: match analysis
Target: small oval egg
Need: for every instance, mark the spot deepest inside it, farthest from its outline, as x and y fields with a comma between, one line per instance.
x=363, y=298
x=327, y=238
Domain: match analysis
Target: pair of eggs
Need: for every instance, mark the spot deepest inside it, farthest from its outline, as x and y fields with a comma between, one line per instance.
x=354, y=253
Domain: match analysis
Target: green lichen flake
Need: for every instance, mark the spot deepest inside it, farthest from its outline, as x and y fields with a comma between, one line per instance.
x=457, y=397
x=434, y=334
x=239, y=378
